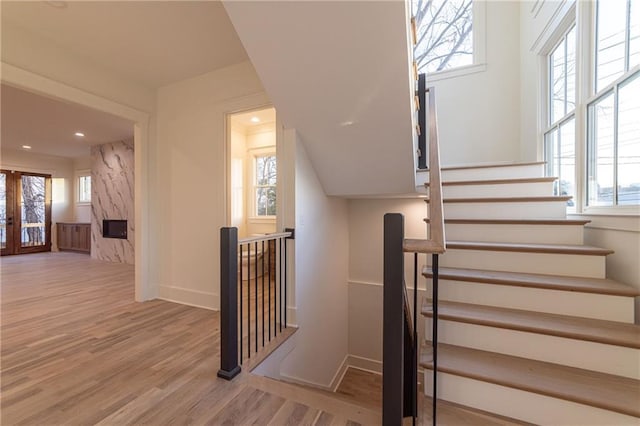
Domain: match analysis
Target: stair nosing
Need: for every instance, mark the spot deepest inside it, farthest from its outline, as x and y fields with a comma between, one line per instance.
x=529, y=248
x=504, y=181
x=489, y=165
x=555, y=324
x=560, y=283
x=567, y=222
x=535, y=199
x=549, y=386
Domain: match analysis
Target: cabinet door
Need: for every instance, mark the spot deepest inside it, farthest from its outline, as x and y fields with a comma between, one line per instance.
x=84, y=238
x=64, y=236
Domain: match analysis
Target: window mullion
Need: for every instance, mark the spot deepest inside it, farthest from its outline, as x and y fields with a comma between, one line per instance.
x=615, y=145
x=627, y=37
x=566, y=79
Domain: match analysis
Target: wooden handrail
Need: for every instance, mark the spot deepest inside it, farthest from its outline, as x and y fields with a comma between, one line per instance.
x=436, y=243
x=265, y=237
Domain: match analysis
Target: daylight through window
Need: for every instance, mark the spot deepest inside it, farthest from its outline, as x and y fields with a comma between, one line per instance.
x=265, y=185
x=445, y=34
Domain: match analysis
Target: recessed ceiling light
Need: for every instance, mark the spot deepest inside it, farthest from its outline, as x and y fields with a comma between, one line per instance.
x=79, y=134
x=26, y=146
x=347, y=123
x=255, y=120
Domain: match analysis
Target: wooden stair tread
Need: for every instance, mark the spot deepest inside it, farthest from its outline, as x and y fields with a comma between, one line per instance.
x=550, y=282
x=586, y=329
x=450, y=413
x=606, y=391
x=529, y=247
x=496, y=181
x=562, y=198
x=515, y=221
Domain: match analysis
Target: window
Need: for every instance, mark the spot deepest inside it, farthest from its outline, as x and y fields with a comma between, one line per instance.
x=84, y=189
x=613, y=127
x=560, y=134
x=444, y=34
x=265, y=185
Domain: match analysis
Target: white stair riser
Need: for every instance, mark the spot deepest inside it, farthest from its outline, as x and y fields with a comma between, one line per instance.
x=515, y=210
x=523, y=405
x=489, y=173
x=618, y=360
x=533, y=263
x=542, y=234
x=527, y=189
x=585, y=305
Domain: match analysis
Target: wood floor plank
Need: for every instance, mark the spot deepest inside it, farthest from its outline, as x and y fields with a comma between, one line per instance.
x=76, y=349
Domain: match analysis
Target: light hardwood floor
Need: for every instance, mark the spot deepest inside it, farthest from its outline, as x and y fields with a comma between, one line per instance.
x=76, y=349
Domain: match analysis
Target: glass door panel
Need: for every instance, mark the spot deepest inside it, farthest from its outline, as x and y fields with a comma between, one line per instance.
x=25, y=212
x=32, y=207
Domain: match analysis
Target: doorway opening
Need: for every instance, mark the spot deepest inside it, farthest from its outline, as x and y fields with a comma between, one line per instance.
x=253, y=172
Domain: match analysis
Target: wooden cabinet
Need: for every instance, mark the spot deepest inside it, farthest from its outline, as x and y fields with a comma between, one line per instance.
x=74, y=236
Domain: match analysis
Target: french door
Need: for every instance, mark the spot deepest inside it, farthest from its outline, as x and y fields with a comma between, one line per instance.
x=25, y=212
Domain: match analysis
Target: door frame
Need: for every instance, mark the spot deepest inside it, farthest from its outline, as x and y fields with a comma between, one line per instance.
x=15, y=188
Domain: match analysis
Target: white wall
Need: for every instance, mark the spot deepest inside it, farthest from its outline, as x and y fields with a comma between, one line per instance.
x=190, y=172
x=366, y=271
x=321, y=269
x=621, y=234
x=61, y=171
x=238, y=180
x=479, y=113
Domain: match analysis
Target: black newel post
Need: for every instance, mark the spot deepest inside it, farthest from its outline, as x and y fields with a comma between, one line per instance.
x=393, y=319
x=229, y=367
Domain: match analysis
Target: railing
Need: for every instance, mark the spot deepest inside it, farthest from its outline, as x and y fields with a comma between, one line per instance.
x=253, y=295
x=400, y=339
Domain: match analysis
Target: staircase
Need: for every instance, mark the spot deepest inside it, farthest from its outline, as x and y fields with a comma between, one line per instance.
x=529, y=326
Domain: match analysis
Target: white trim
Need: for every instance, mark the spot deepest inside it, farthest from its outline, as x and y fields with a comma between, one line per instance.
x=365, y=364
x=456, y=72
x=186, y=296
x=342, y=370
x=559, y=23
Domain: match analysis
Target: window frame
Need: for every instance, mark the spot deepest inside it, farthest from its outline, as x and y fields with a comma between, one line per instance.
x=479, y=35
x=254, y=217
x=551, y=126
x=79, y=175
x=594, y=96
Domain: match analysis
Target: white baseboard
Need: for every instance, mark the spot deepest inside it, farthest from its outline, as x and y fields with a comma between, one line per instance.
x=292, y=316
x=337, y=378
x=366, y=364
x=185, y=296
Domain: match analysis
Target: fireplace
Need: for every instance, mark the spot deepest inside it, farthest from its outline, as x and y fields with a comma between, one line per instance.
x=114, y=228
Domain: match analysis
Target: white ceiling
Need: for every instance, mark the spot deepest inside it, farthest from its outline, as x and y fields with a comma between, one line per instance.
x=245, y=119
x=151, y=42
x=338, y=72
x=48, y=125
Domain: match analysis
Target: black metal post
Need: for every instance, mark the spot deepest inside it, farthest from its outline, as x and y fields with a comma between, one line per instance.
x=249, y=301
x=284, y=273
x=229, y=367
x=393, y=321
x=280, y=282
x=263, y=271
x=434, y=268
x=256, y=294
x=241, y=303
x=414, y=379
x=269, y=283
